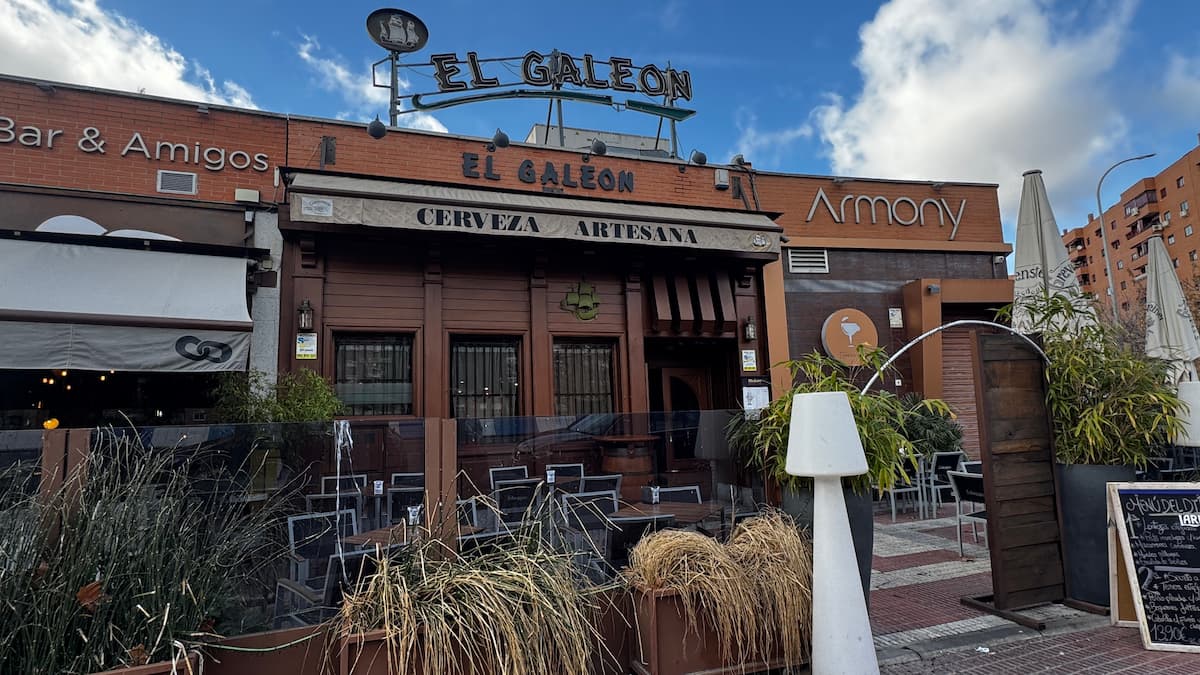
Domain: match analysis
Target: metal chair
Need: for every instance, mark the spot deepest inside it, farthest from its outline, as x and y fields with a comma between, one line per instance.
x=467, y=511
x=354, y=482
x=601, y=483
x=912, y=485
x=513, y=498
x=972, y=467
x=936, y=480
x=500, y=473
x=408, y=480
x=400, y=499
x=312, y=537
x=325, y=503
x=301, y=604
x=967, y=487
x=627, y=532
x=686, y=494
x=587, y=528
x=567, y=476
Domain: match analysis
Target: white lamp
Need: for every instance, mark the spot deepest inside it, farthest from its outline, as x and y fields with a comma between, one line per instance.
x=823, y=444
x=1189, y=434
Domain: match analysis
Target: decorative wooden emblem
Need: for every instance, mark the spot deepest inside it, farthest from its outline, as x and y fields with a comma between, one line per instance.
x=581, y=301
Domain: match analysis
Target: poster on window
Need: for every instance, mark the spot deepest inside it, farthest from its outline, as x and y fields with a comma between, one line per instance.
x=754, y=399
x=306, y=346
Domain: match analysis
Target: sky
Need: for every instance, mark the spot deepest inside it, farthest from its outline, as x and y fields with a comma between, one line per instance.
x=941, y=90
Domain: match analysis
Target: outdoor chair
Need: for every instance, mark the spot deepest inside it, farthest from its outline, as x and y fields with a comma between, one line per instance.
x=299, y=604
x=911, y=485
x=513, y=498
x=467, y=512
x=408, y=480
x=587, y=525
x=325, y=503
x=567, y=476
x=601, y=483
x=1178, y=475
x=400, y=498
x=936, y=480
x=627, y=532
x=312, y=538
x=483, y=542
x=500, y=473
x=602, y=502
x=967, y=487
x=972, y=467
x=354, y=482
x=687, y=494
x=1155, y=467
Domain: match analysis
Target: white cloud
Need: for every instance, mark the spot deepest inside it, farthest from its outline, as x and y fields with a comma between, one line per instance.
x=671, y=15
x=357, y=89
x=765, y=148
x=79, y=42
x=980, y=91
x=1181, y=85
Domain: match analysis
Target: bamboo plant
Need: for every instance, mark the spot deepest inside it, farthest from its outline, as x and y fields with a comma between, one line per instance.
x=762, y=439
x=1108, y=404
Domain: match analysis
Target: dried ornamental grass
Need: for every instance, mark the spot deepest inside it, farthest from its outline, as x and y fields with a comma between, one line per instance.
x=520, y=609
x=777, y=559
x=711, y=585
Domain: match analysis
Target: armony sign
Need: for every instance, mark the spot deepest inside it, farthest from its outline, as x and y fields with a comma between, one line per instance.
x=903, y=211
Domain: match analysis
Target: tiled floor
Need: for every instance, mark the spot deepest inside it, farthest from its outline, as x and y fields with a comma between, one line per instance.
x=917, y=581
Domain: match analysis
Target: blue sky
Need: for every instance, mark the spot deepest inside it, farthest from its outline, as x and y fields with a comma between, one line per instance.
x=922, y=89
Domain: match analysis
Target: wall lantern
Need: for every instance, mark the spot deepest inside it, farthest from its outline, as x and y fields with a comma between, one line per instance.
x=305, y=314
x=750, y=331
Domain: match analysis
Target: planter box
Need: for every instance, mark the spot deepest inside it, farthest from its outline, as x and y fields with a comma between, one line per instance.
x=664, y=646
x=192, y=665
x=306, y=657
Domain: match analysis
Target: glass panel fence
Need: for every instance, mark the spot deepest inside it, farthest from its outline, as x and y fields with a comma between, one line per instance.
x=20, y=461
x=603, y=480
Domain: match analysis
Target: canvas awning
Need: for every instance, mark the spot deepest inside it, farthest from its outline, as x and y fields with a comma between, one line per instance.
x=347, y=200
x=80, y=306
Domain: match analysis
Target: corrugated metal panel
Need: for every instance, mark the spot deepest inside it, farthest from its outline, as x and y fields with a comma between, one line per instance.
x=958, y=385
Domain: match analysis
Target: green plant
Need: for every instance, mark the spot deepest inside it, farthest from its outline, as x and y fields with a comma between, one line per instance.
x=880, y=415
x=1108, y=404
x=138, y=551
x=298, y=396
x=930, y=429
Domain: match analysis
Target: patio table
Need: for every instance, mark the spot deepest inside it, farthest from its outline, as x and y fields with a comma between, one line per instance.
x=684, y=512
x=396, y=534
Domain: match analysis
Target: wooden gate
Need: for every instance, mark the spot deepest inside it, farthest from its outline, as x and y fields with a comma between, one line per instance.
x=1017, y=450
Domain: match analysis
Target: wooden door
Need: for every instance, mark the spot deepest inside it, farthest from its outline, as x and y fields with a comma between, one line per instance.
x=685, y=393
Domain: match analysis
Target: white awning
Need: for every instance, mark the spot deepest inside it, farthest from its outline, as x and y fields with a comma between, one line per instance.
x=66, y=305
x=345, y=200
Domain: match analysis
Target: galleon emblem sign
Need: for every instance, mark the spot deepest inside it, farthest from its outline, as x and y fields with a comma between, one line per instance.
x=396, y=30
x=581, y=301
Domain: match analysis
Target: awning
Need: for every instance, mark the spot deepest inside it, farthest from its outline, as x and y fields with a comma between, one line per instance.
x=347, y=200
x=66, y=305
x=692, y=304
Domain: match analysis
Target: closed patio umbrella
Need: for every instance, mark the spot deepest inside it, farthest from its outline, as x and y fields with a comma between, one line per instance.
x=1041, y=263
x=1170, y=330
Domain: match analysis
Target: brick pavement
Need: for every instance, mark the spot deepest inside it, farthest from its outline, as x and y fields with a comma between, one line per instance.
x=920, y=626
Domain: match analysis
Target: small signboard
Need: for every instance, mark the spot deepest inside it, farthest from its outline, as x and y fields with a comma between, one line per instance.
x=1158, y=533
x=396, y=30
x=749, y=360
x=306, y=346
x=846, y=329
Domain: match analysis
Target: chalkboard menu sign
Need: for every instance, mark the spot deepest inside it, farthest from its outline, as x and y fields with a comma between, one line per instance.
x=1158, y=527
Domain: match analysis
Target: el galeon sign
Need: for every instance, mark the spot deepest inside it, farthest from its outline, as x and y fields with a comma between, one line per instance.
x=903, y=211
x=552, y=175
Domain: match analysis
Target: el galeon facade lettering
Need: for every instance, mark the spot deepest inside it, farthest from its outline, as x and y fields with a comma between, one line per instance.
x=585, y=176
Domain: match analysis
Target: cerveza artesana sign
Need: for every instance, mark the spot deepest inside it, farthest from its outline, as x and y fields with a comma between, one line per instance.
x=551, y=175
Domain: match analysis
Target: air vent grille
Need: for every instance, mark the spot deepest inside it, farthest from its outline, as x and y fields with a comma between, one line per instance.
x=808, y=261
x=177, y=182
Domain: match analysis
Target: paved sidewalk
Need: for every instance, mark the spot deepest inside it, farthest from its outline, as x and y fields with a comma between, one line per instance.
x=920, y=626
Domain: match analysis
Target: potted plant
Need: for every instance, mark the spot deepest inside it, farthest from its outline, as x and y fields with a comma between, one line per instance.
x=762, y=441
x=705, y=607
x=1110, y=409
x=516, y=604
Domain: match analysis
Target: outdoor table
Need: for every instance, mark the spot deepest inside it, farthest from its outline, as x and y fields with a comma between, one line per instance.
x=396, y=534
x=685, y=513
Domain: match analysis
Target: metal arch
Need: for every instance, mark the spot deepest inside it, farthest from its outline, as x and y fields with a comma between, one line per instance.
x=960, y=322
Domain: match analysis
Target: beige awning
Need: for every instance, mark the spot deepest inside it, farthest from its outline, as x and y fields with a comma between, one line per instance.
x=345, y=200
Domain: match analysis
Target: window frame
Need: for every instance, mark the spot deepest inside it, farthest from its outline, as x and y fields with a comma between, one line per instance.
x=614, y=344
x=329, y=353
x=524, y=367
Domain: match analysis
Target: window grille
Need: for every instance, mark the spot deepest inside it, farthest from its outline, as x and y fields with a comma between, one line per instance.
x=373, y=373
x=583, y=377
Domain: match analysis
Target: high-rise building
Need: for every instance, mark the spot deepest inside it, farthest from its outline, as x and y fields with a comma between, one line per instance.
x=1169, y=198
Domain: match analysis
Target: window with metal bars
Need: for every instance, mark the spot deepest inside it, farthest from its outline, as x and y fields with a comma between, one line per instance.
x=485, y=377
x=373, y=373
x=583, y=377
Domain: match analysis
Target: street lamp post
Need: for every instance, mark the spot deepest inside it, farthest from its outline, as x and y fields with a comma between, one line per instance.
x=1112, y=295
